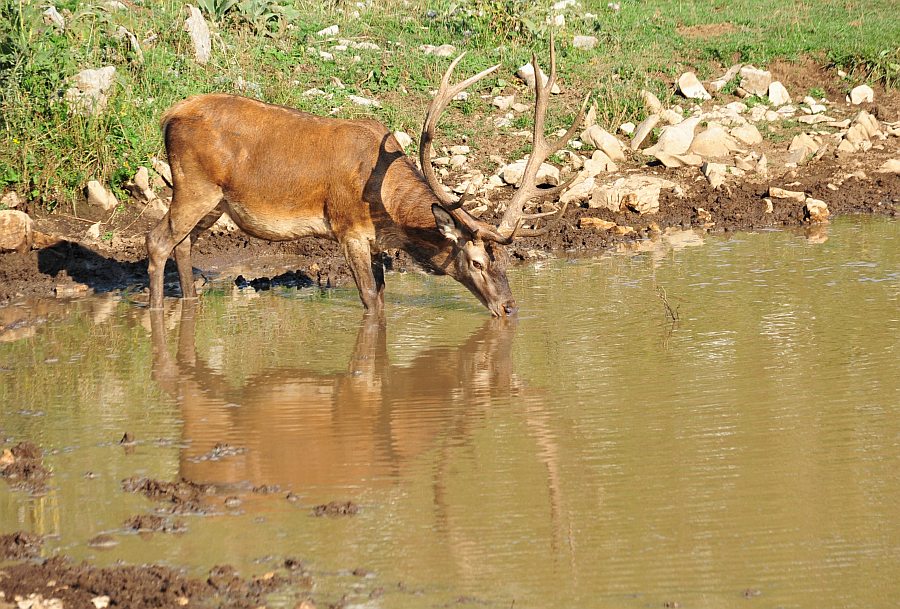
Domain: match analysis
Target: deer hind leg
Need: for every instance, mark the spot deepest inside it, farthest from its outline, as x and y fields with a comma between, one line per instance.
x=183, y=252
x=189, y=207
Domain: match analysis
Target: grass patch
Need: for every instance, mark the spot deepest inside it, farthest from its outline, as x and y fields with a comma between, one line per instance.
x=270, y=49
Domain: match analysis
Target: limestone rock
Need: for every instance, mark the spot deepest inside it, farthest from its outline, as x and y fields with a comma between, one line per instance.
x=747, y=134
x=651, y=102
x=403, y=139
x=713, y=142
x=869, y=123
x=504, y=102
x=627, y=128
x=599, y=163
x=162, y=169
x=643, y=130
x=890, y=166
x=755, y=81
x=445, y=50
x=719, y=83
x=691, y=87
x=805, y=144
x=90, y=91
x=141, y=182
x=526, y=73
x=679, y=160
x=780, y=193
x=637, y=193
x=601, y=139
x=512, y=173
x=675, y=139
x=596, y=223
x=10, y=200
x=195, y=25
x=331, y=30
x=98, y=195
x=52, y=16
x=714, y=173
x=585, y=43
x=815, y=210
x=862, y=94
x=16, y=231
x=579, y=192
x=671, y=117
x=778, y=95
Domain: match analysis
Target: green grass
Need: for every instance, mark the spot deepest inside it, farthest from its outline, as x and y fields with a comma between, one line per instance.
x=270, y=46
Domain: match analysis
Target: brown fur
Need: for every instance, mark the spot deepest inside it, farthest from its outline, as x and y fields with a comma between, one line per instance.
x=283, y=174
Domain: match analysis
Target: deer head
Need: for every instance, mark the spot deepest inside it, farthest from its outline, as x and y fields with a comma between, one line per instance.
x=479, y=259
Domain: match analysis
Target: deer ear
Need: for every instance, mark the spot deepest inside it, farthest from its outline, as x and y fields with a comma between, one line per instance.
x=446, y=224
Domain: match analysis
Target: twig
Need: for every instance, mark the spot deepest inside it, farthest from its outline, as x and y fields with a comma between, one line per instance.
x=670, y=312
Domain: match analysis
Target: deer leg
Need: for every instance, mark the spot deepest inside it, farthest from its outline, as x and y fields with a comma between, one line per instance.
x=183, y=252
x=359, y=257
x=378, y=274
x=187, y=209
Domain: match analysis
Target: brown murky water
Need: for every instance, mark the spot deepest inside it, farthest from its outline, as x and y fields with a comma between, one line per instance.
x=593, y=453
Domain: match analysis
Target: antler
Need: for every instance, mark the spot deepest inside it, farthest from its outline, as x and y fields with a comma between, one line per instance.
x=514, y=216
x=437, y=106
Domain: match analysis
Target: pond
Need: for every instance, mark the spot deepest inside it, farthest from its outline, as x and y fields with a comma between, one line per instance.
x=704, y=420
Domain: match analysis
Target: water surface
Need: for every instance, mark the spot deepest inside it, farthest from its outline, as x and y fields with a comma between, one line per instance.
x=595, y=452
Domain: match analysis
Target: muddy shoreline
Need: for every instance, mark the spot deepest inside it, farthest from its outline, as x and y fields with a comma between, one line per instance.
x=71, y=268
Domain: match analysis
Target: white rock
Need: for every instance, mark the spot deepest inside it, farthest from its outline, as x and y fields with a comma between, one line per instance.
x=639, y=193
x=723, y=80
x=504, y=102
x=778, y=95
x=195, y=25
x=458, y=160
x=162, y=169
x=714, y=173
x=643, y=130
x=93, y=232
x=526, y=73
x=585, y=43
x=755, y=81
x=890, y=166
x=579, y=192
x=772, y=116
x=737, y=107
x=403, y=139
x=10, y=200
x=862, y=94
x=142, y=181
x=748, y=135
x=326, y=56
x=331, y=30
x=599, y=163
x=512, y=173
x=557, y=21
x=781, y=193
x=90, y=91
x=713, y=142
x=98, y=195
x=804, y=144
x=651, y=102
x=314, y=93
x=517, y=107
x=857, y=134
x=814, y=119
x=16, y=231
x=869, y=123
x=460, y=149
x=815, y=210
x=445, y=50
x=679, y=160
x=671, y=117
x=364, y=101
x=601, y=139
x=627, y=128
x=52, y=16
x=100, y=602
x=675, y=139
x=691, y=87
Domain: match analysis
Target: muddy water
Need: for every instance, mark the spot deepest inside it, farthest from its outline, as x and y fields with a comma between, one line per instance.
x=595, y=453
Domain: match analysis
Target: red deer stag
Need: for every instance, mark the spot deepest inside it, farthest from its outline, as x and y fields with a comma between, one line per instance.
x=282, y=174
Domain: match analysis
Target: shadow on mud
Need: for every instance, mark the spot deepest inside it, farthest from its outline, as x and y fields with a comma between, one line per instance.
x=94, y=270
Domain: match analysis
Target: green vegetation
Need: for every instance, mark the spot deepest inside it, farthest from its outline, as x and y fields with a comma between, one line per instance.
x=270, y=49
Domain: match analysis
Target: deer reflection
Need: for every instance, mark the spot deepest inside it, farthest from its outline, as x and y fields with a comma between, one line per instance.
x=303, y=428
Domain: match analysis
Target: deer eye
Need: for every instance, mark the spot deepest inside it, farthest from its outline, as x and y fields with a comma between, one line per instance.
x=478, y=265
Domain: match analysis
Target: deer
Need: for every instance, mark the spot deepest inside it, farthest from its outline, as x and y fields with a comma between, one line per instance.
x=282, y=174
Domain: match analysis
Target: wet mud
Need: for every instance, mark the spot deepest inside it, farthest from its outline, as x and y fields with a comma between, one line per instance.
x=182, y=497
x=22, y=468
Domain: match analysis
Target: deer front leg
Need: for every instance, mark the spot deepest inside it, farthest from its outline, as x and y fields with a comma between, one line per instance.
x=369, y=282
